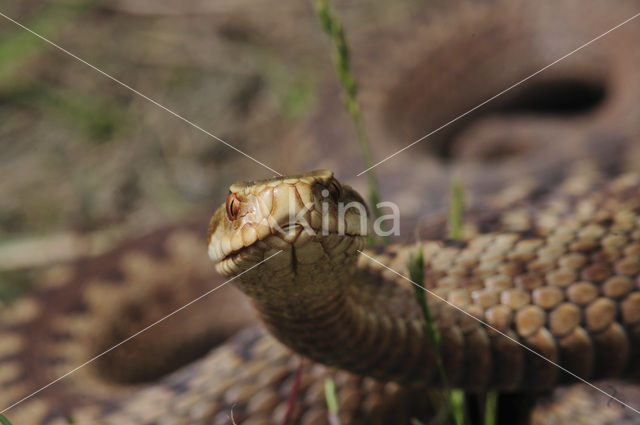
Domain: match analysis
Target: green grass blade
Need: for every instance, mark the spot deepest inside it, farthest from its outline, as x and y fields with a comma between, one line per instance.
x=332, y=401
x=455, y=398
x=341, y=60
x=458, y=407
x=456, y=210
x=491, y=408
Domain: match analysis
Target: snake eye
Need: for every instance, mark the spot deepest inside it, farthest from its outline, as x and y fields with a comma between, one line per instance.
x=233, y=207
x=335, y=190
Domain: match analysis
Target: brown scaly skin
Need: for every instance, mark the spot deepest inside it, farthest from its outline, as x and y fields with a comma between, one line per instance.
x=570, y=292
x=253, y=372
x=251, y=378
x=80, y=309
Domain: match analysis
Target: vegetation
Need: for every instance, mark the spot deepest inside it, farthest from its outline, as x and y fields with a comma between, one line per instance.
x=341, y=60
x=455, y=398
x=332, y=400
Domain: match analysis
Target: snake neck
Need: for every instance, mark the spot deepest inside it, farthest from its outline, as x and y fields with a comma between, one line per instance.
x=342, y=315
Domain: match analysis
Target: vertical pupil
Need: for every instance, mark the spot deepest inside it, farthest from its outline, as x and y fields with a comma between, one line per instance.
x=231, y=208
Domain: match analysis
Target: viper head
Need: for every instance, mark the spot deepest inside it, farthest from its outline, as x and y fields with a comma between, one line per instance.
x=311, y=217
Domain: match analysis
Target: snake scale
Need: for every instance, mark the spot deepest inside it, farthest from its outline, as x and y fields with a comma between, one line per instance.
x=552, y=262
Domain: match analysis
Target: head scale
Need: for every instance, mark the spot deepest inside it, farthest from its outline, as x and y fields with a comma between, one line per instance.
x=311, y=216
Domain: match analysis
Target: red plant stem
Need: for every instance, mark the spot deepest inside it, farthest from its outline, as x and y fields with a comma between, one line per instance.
x=295, y=390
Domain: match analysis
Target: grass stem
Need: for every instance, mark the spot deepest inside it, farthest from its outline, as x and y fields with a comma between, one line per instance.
x=341, y=60
x=456, y=210
x=295, y=392
x=455, y=398
x=332, y=401
x=491, y=408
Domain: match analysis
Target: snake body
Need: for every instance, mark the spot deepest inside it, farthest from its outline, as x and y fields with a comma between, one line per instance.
x=567, y=289
x=570, y=294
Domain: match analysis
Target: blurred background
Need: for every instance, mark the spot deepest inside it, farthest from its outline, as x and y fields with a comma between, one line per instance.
x=84, y=161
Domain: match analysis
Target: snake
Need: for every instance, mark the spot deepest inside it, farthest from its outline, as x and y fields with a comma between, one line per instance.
x=566, y=289
x=318, y=300
x=552, y=266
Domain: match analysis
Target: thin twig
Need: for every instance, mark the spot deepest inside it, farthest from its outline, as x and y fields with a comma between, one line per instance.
x=295, y=390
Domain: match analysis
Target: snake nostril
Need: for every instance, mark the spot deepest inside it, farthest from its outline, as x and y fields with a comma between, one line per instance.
x=289, y=226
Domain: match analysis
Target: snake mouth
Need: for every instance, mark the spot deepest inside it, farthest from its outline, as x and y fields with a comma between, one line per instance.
x=299, y=244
